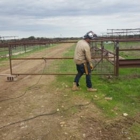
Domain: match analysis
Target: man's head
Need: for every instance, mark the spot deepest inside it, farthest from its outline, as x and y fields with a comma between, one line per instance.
x=89, y=36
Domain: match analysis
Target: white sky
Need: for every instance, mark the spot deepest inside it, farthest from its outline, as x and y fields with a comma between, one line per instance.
x=66, y=18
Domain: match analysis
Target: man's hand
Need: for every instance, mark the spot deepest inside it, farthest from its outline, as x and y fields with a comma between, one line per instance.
x=91, y=66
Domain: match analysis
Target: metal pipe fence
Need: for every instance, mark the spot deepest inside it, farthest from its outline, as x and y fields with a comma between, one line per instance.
x=106, y=61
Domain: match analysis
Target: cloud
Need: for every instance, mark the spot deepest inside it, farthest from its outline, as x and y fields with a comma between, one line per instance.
x=66, y=17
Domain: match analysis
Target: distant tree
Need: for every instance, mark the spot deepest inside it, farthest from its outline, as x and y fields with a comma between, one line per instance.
x=31, y=38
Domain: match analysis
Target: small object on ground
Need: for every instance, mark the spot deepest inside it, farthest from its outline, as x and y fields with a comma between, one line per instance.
x=108, y=98
x=125, y=114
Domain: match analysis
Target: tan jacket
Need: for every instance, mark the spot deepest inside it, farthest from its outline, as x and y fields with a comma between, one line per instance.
x=82, y=52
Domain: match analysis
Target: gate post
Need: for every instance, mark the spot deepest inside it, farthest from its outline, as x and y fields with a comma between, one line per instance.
x=117, y=58
x=10, y=61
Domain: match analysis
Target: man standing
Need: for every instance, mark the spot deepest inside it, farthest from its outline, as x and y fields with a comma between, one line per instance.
x=82, y=58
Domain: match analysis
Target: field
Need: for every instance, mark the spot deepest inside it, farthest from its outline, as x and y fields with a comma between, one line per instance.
x=43, y=107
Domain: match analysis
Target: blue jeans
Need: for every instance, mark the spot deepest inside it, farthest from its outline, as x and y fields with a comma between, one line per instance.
x=81, y=70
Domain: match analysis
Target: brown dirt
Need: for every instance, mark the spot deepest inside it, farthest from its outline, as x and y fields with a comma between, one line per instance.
x=30, y=109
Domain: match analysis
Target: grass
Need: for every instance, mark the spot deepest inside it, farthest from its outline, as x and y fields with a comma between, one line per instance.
x=125, y=45
x=123, y=91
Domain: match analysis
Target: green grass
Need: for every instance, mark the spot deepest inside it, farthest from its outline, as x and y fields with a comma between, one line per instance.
x=126, y=45
x=3, y=52
x=124, y=90
x=124, y=93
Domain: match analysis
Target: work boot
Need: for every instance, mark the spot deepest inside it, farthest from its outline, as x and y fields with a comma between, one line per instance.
x=92, y=89
x=75, y=87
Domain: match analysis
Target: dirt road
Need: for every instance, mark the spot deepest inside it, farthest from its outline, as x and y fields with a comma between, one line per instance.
x=32, y=108
x=29, y=97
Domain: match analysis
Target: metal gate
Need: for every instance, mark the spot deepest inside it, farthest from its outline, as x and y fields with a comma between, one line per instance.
x=105, y=61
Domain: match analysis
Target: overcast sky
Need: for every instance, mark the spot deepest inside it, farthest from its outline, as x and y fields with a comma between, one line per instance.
x=66, y=18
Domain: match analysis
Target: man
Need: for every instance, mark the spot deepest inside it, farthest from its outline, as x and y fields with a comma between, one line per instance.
x=82, y=58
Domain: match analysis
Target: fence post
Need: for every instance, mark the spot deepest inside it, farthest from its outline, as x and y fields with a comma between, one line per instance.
x=117, y=58
x=102, y=50
x=10, y=57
